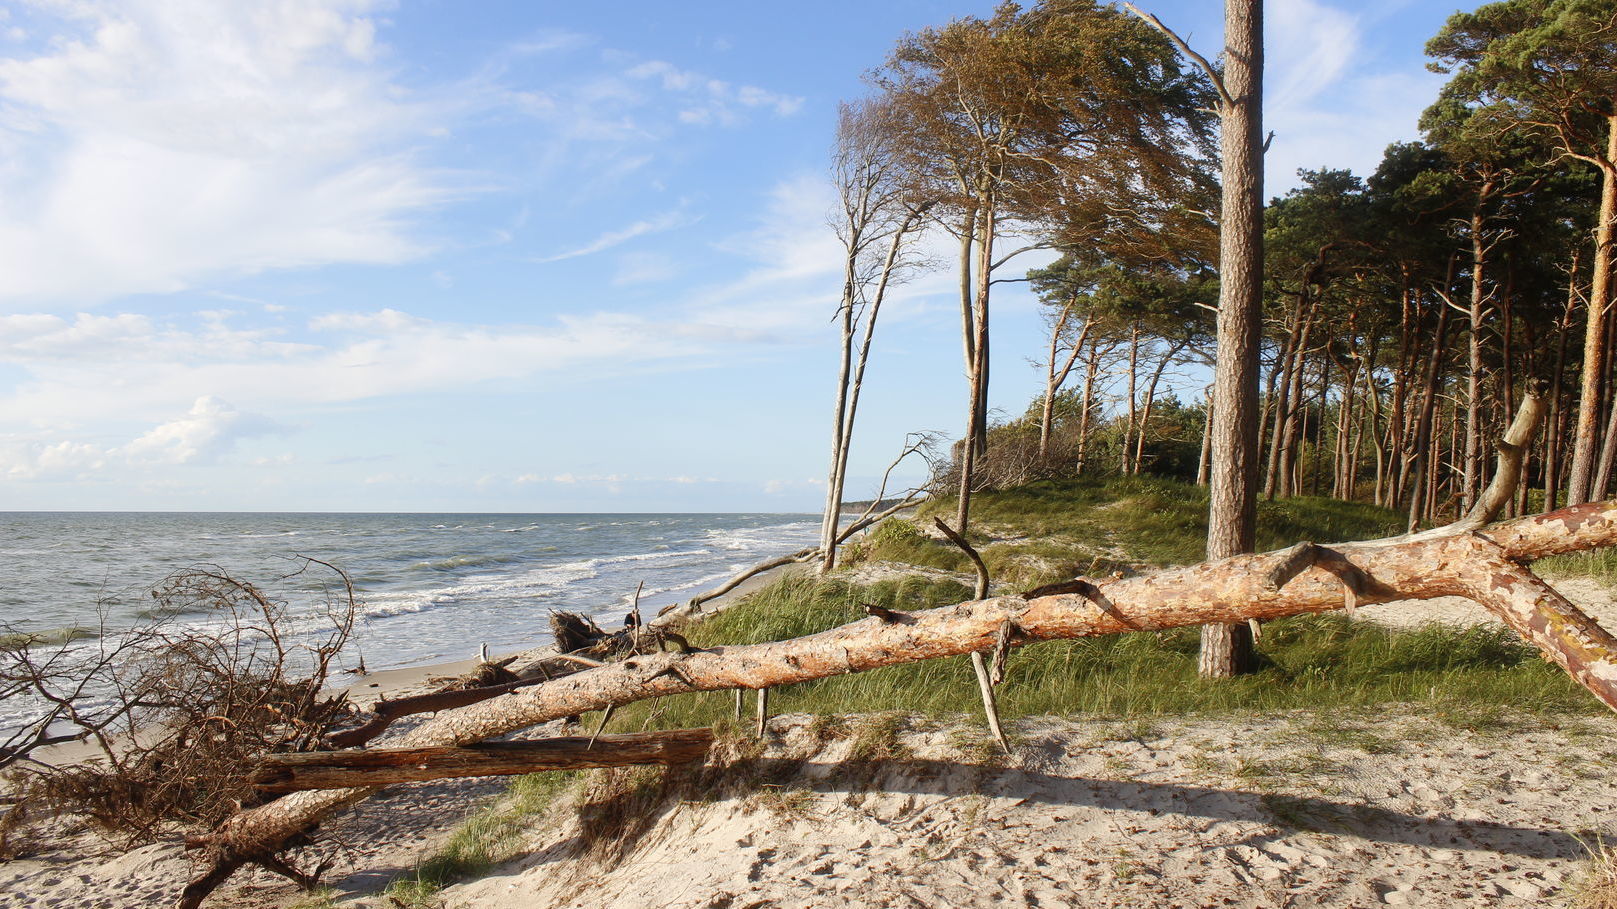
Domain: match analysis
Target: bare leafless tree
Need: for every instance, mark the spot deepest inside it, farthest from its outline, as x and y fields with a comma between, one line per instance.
x=877, y=220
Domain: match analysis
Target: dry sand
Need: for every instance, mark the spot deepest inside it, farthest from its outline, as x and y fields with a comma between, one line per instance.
x=1300, y=810
x=1362, y=811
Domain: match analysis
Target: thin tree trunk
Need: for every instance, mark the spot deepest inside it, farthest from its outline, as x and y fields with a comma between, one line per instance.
x=1134, y=372
x=1552, y=437
x=1090, y=365
x=833, y=489
x=1595, y=337
x=307, y=770
x=1054, y=377
x=976, y=420
x=1204, y=460
x=1423, y=422
x=1281, y=396
x=1291, y=434
x=1150, y=399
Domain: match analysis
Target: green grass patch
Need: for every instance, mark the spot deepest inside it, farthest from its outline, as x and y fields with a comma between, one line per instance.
x=1151, y=521
x=487, y=838
x=1599, y=564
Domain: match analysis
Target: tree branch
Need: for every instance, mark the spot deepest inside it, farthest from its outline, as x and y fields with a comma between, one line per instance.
x=1225, y=101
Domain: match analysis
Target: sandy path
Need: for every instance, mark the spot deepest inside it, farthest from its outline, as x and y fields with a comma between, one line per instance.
x=1149, y=815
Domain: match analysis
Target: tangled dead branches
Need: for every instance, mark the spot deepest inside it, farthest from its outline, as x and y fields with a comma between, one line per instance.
x=181, y=709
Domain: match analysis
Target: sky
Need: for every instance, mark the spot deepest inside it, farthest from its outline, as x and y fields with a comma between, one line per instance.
x=355, y=255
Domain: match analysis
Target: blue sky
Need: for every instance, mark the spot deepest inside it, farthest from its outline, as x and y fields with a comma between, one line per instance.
x=343, y=255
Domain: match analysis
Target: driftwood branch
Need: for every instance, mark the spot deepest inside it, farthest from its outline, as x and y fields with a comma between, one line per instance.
x=965, y=547
x=387, y=766
x=1485, y=566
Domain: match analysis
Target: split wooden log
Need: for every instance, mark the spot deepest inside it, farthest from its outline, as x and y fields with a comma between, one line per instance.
x=387, y=766
x=1485, y=566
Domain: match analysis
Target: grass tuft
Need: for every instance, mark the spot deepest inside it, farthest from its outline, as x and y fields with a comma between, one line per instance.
x=487, y=838
x=1599, y=564
x=1596, y=887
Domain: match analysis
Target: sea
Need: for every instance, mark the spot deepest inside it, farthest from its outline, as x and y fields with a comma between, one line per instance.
x=431, y=587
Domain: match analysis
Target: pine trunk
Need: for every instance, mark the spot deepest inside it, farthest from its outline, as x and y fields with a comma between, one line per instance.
x=1232, y=494
x=1584, y=435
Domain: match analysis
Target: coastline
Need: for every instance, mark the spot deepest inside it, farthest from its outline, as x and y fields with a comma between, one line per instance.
x=364, y=691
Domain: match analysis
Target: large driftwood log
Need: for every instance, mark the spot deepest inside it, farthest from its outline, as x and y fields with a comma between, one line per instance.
x=387, y=766
x=1485, y=566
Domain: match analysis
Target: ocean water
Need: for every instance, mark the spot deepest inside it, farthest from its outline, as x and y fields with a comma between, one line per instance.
x=431, y=587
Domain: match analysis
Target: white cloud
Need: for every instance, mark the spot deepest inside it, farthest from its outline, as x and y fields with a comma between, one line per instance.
x=126, y=366
x=658, y=224
x=1310, y=47
x=30, y=460
x=713, y=100
x=1330, y=101
x=159, y=142
x=644, y=268
x=211, y=428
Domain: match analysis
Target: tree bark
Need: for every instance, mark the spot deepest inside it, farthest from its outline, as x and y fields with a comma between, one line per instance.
x=1587, y=427
x=1472, y=466
x=1232, y=494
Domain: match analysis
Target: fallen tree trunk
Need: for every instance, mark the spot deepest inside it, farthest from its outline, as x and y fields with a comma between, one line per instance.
x=387, y=766
x=1485, y=566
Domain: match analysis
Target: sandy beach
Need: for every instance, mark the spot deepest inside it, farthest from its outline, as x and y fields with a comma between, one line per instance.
x=1297, y=809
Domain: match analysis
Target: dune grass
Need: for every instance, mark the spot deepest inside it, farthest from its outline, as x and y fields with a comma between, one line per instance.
x=490, y=836
x=1059, y=528
x=1599, y=564
x=1306, y=662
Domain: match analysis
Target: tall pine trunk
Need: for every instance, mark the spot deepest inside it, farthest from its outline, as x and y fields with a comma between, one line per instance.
x=1226, y=650
x=1594, y=337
